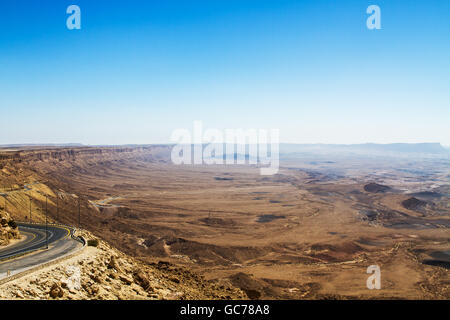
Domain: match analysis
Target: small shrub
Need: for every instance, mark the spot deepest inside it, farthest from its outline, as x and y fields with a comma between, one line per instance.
x=92, y=243
x=12, y=224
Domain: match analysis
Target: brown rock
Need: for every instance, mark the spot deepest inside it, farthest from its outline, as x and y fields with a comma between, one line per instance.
x=95, y=289
x=56, y=291
x=125, y=279
x=176, y=280
x=114, y=264
x=97, y=279
x=141, y=278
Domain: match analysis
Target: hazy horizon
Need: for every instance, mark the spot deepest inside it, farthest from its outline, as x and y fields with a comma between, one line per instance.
x=171, y=143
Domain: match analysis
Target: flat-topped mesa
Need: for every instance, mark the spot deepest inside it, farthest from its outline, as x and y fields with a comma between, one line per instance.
x=8, y=228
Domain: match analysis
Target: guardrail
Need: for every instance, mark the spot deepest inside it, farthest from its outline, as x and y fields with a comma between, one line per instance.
x=48, y=223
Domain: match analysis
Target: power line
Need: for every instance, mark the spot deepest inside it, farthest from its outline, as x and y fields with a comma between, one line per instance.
x=46, y=228
x=79, y=214
x=57, y=206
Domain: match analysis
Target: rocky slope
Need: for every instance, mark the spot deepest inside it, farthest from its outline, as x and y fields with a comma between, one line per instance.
x=34, y=173
x=104, y=273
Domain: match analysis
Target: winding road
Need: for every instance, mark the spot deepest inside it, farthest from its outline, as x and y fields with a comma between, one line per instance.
x=32, y=251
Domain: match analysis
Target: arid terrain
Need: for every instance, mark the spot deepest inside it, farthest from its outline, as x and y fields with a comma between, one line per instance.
x=308, y=232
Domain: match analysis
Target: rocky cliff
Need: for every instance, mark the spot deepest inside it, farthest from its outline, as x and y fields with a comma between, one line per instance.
x=150, y=152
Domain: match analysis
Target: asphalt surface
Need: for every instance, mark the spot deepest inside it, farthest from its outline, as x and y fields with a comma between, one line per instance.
x=32, y=251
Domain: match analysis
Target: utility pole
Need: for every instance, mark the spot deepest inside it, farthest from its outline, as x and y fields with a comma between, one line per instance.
x=57, y=206
x=46, y=207
x=79, y=214
x=46, y=228
x=31, y=219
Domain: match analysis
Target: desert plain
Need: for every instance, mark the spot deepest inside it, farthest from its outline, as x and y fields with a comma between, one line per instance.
x=308, y=232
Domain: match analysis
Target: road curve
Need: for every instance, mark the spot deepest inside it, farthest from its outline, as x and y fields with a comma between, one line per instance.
x=33, y=250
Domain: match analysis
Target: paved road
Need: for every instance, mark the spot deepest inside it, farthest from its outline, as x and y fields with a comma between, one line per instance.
x=32, y=250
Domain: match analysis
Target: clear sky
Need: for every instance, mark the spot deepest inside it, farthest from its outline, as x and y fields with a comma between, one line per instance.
x=137, y=70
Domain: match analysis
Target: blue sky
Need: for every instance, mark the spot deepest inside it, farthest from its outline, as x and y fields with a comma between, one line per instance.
x=137, y=70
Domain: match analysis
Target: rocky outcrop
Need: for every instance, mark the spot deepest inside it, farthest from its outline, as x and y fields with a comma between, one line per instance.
x=8, y=229
x=376, y=188
x=105, y=273
x=413, y=204
x=56, y=291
